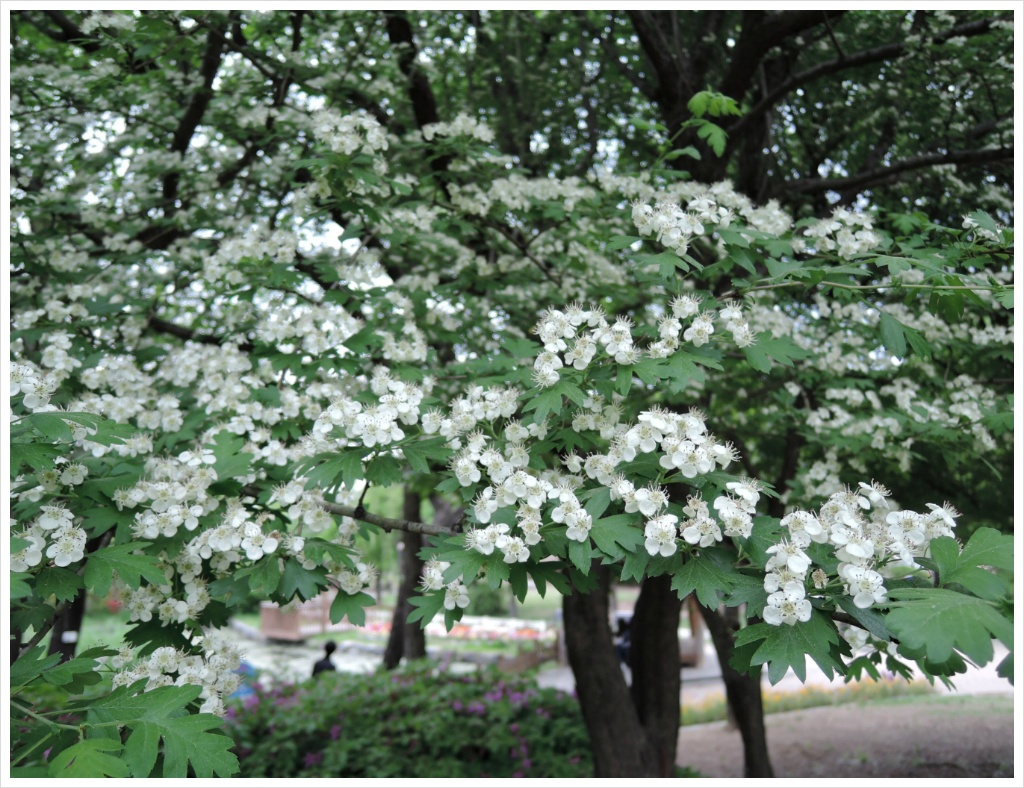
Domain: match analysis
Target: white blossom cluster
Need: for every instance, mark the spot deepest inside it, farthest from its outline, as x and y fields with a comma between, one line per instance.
x=456, y=595
x=846, y=233
x=214, y=669
x=36, y=386
x=358, y=132
x=572, y=337
x=463, y=126
x=870, y=539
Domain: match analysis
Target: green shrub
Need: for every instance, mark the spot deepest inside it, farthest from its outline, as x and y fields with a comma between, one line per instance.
x=419, y=722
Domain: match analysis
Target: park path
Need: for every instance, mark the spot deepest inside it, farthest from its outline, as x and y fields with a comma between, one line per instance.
x=294, y=661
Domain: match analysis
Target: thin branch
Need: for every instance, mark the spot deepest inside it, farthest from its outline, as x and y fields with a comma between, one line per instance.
x=841, y=286
x=883, y=174
x=885, y=52
x=391, y=523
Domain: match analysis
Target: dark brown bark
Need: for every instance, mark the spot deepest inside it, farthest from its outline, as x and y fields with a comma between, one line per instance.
x=67, y=629
x=743, y=693
x=407, y=640
x=618, y=741
x=633, y=730
x=654, y=667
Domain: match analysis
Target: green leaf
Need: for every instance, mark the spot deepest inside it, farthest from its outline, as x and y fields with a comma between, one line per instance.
x=635, y=565
x=1005, y=297
x=465, y=564
x=689, y=150
x=543, y=574
x=895, y=265
x=362, y=340
x=231, y=460
x=548, y=401
x=62, y=583
x=617, y=535
x=987, y=547
x=938, y=620
x=352, y=606
x=384, y=471
x=785, y=647
x=598, y=502
x=699, y=103
x=296, y=579
x=78, y=673
x=580, y=554
x=620, y=242
x=265, y=576
x=31, y=665
x=421, y=452
x=148, y=636
x=425, y=607
x=36, y=456
x=19, y=589
x=984, y=221
x=101, y=566
x=869, y=619
x=709, y=581
x=188, y=740
x=782, y=349
x=517, y=581
x=52, y=427
x=89, y=758
x=714, y=135
x=892, y=335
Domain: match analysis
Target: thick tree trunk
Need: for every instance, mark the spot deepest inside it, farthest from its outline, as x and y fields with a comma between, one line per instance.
x=654, y=664
x=67, y=629
x=633, y=732
x=743, y=694
x=407, y=640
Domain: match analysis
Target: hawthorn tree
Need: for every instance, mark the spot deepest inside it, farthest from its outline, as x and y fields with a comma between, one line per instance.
x=261, y=262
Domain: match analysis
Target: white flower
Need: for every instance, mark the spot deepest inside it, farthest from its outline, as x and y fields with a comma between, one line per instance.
x=787, y=606
x=863, y=584
x=456, y=595
x=515, y=550
x=660, y=535
x=790, y=555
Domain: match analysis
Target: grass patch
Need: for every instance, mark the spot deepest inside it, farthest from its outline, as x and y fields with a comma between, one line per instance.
x=713, y=707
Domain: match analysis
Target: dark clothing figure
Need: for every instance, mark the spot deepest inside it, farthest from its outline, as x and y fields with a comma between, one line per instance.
x=325, y=664
x=622, y=638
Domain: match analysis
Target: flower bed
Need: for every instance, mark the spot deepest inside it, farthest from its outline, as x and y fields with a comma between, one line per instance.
x=420, y=722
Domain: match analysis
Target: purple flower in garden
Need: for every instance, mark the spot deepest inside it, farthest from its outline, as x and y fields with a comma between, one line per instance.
x=526, y=763
x=457, y=705
x=518, y=774
x=476, y=707
x=335, y=732
x=514, y=727
x=251, y=701
x=574, y=760
x=312, y=759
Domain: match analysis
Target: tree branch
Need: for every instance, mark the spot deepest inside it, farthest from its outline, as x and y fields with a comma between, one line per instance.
x=196, y=108
x=844, y=62
x=885, y=174
x=393, y=524
x=424, y=105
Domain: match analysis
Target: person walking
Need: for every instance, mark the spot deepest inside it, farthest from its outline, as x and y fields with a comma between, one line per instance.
x=324, y=664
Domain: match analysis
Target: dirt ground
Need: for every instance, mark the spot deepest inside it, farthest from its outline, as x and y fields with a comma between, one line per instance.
x=942, y=736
